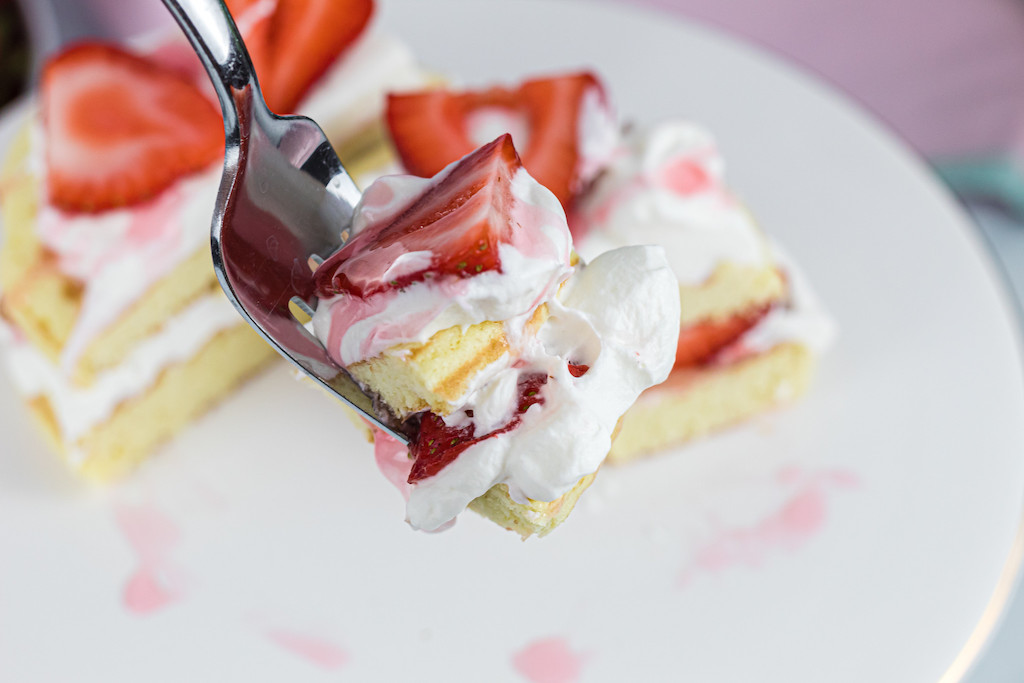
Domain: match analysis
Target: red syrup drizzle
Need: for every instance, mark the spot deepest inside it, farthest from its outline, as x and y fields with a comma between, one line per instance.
x=461, y=220
x=438, y=444
x=578, y=369
x=699, y=344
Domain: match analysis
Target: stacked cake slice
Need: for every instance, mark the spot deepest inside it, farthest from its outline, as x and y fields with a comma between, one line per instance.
x=751, y=329
x=118, y=331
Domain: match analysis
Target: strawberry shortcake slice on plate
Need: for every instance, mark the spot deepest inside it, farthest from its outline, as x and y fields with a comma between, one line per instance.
x=750, y=327
x=118, y=333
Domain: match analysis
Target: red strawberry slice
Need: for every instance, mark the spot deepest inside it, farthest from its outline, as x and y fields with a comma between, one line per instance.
x=432, y=128
x=437, y=444
x=119, y=129
x=699, y=343
x=460, y=219
x=293, y=42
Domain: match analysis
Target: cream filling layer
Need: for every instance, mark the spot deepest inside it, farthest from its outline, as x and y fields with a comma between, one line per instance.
x=78, y=409
x=619, y=316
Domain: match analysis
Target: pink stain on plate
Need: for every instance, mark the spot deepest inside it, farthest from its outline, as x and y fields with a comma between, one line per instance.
x=152, y=536
x=318, y=651
x=786, y=528
x=549, y=660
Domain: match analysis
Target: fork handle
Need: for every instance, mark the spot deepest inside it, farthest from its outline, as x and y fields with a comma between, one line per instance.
x=215, y=38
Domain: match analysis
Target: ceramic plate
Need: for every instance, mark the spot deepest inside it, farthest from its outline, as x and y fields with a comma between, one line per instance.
x=859, y=535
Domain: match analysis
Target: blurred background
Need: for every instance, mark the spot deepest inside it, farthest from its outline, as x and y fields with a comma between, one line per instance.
x=946, y=75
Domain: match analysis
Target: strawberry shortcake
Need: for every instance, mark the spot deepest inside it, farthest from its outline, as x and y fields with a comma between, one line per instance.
x=750, y=328
x=118, y=331
x=460, y=303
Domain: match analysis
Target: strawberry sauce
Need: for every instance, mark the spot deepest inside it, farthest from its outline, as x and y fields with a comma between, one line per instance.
x=438, y=444
x=459, y=222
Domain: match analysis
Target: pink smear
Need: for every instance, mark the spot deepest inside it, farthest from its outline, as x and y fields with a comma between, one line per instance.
x=317, y=651
x=685, y=177
x=549, y=660
x=801, y=517
x=146, y=591
x=156, y=582
x=393, y=460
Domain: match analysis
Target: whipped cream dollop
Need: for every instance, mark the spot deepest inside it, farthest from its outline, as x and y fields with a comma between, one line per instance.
x=533, y=264
x=543, y=414
x=666, y=186
x=619, y=316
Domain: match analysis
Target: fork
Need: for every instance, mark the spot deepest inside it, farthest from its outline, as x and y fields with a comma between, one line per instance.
x=284, y=204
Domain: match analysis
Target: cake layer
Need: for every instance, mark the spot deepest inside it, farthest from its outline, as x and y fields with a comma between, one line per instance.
x=438, y=374
x=178, y=394
x=526, y=517
x=531, y=517
x=692, y=403
x=732, y=289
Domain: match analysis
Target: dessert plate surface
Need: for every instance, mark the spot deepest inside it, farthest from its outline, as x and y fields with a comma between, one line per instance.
x=866, y=533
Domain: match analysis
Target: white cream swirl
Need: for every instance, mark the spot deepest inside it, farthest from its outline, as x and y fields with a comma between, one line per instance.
x=619, y=316
x=666, y=186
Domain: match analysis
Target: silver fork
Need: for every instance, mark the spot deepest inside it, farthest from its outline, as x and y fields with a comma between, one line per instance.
x=283, y=203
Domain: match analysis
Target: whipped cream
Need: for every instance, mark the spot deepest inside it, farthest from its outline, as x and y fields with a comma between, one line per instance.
x=666, y=186
x=532, y=267
x=78, y=409
x=619, y=316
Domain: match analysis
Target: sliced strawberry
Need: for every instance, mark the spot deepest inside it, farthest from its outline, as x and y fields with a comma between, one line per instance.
x=437, y=445
x=120, y=129
x=293, y=42
x=460, y=220
x=578, y=369
x=305, y=38
x=699, y=343
x=432, y=128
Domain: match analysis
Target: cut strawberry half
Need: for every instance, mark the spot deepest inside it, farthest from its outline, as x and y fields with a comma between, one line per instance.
x=437, y=445
x=432, y=128
x=293, y=42
x=699, y=343
x=119, y=129
x=457, y=224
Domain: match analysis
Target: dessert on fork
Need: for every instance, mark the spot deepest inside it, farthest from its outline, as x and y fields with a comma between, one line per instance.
x=460, y=303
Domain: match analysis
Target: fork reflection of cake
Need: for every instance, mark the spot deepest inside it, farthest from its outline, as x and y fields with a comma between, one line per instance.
x=460, y=304
x=751, y=328
x=119, y=332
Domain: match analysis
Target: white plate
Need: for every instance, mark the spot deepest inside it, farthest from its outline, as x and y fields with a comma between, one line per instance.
x=857, y=536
